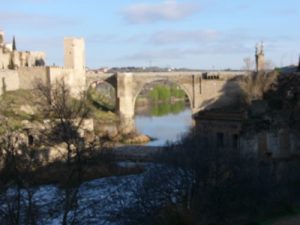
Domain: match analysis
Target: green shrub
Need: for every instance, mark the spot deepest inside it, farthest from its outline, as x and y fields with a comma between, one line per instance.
x=165, y=93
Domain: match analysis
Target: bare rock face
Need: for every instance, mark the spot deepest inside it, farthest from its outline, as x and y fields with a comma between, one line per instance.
x=138, y=139
x=27, y=109
x=107, y=130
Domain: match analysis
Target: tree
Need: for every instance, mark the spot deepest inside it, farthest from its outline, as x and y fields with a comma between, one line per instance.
x=299, y=65
x=253, y=86
x=201, y=183
x=248, y=64
x=67, y=115
x=14, y=46
x=269, y=65
x=18, y=161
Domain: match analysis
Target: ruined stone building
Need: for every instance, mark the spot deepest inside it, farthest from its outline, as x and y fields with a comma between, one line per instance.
x=10, y=58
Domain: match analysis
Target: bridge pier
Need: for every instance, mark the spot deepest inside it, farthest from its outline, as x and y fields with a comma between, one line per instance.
x=125, y=102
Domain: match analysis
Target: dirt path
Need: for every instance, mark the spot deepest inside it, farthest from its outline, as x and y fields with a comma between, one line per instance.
x=289, y=221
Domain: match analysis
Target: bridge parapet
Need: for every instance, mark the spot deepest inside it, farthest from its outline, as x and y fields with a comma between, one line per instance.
x=222, y=75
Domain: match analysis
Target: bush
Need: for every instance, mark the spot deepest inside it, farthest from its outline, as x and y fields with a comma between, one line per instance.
x=165, y=93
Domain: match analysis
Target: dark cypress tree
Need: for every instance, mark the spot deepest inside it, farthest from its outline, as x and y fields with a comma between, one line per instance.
x=299, y=64
x=14, y=47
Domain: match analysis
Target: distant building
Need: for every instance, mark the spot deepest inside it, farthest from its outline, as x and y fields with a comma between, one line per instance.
x=12, y=59
x=260, y=58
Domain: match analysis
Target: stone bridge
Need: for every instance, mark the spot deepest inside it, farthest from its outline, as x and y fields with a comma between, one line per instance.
x=204, y=89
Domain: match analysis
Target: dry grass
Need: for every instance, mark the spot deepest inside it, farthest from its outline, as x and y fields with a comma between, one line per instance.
x=255, y=85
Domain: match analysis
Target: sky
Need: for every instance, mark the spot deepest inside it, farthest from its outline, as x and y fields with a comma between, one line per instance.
x=196, y=34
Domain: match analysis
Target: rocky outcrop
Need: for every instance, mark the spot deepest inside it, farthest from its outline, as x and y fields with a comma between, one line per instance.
x=27, y=109
x=138, y=139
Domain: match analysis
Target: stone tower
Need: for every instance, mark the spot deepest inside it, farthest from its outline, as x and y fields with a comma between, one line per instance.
x=74, y=53
x=260, y=58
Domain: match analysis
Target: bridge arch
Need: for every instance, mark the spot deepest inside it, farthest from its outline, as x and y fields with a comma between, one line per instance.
x=181, y=86
x=94, y=78
x=202, y=93
x=102, y=94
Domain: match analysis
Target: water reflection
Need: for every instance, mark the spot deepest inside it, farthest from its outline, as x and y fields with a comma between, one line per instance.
x=165, y=109
x=164, y=122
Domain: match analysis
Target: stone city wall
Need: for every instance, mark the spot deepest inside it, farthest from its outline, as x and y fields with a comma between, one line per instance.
x=9, y=80
x=29, y=77
x=75, y=79
x=5, y=58
x=57, y=74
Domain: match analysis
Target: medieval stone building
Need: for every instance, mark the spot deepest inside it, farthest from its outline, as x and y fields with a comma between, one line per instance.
x=10, y=58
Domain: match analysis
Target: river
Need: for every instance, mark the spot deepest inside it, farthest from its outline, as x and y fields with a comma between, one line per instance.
x=164, y=122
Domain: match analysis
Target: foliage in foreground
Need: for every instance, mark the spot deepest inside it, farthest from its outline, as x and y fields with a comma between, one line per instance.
x=221, y=186
x=65, y=115
x=254, y=86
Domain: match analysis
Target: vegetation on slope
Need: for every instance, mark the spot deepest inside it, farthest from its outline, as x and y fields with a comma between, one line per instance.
x=20, y=105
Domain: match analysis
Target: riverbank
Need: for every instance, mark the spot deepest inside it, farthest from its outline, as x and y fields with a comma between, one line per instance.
x=56, y=173
x=95, y=164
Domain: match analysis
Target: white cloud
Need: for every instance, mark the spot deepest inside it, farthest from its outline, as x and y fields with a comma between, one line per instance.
x=165, y=11
x=177, y=36
x=22, y=19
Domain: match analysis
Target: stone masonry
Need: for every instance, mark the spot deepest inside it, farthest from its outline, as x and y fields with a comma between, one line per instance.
x=19, y=70
x=12, y=59
x=204, y=89
x=260, y=58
